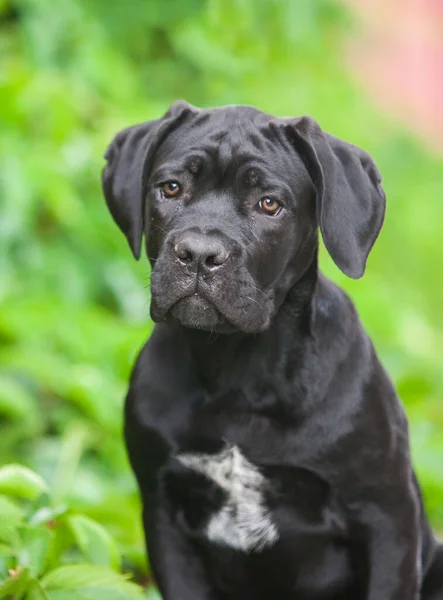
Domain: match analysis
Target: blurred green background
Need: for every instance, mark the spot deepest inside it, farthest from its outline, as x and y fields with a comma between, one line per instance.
x=74, y=304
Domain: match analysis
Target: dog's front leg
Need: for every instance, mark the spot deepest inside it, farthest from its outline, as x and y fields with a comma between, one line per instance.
x=176, y=566
x=389, y=537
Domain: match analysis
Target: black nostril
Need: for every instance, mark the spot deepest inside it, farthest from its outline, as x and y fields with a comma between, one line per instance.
x=210, y=262
x=216, y=260
x=184, y=255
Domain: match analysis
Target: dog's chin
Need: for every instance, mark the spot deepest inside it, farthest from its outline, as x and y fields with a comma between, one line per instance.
x=198, y=313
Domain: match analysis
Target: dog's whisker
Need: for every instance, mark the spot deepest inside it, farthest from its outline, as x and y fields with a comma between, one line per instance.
x=157, y=226
x=256, y=302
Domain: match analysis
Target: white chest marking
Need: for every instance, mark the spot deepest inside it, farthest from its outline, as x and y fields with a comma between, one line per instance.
x=243, y=522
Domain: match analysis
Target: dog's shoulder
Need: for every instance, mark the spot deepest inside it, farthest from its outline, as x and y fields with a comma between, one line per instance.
x=336, y=318
x=332, y=302
x=162, y=390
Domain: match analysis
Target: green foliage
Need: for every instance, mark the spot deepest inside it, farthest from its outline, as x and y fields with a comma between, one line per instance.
x=39, y=541
x=74, y=306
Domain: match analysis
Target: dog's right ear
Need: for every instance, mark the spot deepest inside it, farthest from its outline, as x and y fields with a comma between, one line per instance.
x=124, y=177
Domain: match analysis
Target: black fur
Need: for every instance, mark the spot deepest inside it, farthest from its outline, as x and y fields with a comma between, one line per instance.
x=253, y=347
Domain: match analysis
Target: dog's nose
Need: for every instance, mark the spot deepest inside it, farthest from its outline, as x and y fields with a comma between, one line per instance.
x=201, y=252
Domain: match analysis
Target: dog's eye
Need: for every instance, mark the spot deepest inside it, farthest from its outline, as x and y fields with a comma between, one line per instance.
x=170, y=189
x=270, y=206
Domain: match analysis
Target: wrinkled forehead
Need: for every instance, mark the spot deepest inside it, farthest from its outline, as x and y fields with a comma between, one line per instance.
x=230, y=139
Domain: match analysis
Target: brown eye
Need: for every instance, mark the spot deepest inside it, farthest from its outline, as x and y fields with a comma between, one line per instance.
x=170, y=189
x=270, y=207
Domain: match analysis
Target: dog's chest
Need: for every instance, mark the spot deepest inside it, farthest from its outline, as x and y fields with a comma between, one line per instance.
x=225, y=494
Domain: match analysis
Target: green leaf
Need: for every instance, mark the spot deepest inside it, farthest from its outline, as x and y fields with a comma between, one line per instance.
x=17, y=402
x=16, y=480
x=65, y=595
x=44, y=514
x=153, y=593
x=8, y=534
x=7, y=561
x=11, y=516
x=77, y=577
x=10, y=512
x=92, y=594
x=62, y=541
x=110, y=593
x=35, y=591
x=94, y=541
x=15, y=586
x=36, y=544
x=72, y=447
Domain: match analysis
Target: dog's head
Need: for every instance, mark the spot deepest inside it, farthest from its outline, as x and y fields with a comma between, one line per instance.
x=230, y=200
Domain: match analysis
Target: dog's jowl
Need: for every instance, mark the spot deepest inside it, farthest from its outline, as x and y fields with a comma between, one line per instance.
x=270, y=447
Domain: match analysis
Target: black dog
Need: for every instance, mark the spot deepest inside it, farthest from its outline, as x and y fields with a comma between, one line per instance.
x=269, y=444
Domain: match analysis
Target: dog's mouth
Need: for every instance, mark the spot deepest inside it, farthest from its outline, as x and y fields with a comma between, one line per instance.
x=197, y=312
x=221, y=305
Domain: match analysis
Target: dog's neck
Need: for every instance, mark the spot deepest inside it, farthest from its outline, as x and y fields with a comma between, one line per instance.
x=223, y=357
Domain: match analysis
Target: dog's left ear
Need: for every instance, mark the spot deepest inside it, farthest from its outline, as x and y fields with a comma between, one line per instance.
x=350, y=200
x=128, y=161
